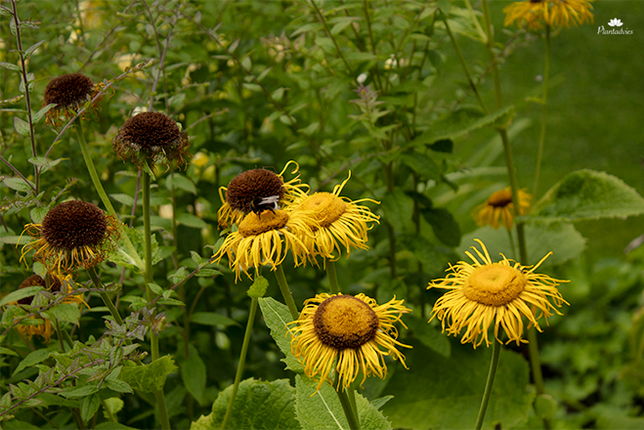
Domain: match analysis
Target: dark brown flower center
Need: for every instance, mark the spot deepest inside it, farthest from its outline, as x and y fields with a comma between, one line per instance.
x=500, y=199
x=150, y=132
x=68, y=90
x=251, y=186
x=344, y=322
x=38, y=281
x=74, y=224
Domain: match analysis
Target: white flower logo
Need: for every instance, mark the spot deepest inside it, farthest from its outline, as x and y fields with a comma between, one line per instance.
x=615, y=22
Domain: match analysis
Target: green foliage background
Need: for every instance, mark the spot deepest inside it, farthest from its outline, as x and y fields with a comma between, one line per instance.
x=274, y=89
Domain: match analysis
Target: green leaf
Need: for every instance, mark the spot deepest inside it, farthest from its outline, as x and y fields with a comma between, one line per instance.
x=461, y=122
x=21, y=126
x=10, y=66
x=14, y=296
x=190, y=220
x=38, y=214
x=323, y=410
x=588, y=194
x=44, y=162
x=35, y=357
x=562, y=239
x=257, y=405
x=193, y=372
x=65, y=312
x=118, y=386
x=450, y=397
x=445, y=227
x=7, y=351
x=398, y=208
x=83, y=391
x=179, y=181
x=123, y=199
x=179, y=275
x=315, y=26
x=108, y=425
x=29, y=51
x=258, y=289
x=211, y=318
x=149, y=378
x=276, y=316
x=89, y=406
x=422, y=164
x=41, y=113
x=19, y=184
x=429, y=335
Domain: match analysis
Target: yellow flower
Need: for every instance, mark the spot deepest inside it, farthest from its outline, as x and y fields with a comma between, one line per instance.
x=257, y=190
x=69, y=92
x=500, y=205
x=265, y=239
x=501, y=293
x=56, y=284
x=72, y=234
x=341, y=221
x=352, y=329
x=533, y=14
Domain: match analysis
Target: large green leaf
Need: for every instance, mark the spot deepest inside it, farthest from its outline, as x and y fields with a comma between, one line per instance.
x=193, y=372
x=276, y=316
x=323, y=410
x=149, y=378
x=398, y=208
x=588, y=194
x=439, y=392
x=561, y=239
x=462, y=122
x=257, y=405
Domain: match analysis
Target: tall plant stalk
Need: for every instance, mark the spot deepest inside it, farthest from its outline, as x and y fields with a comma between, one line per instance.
x=489, y=383
x=544, y=114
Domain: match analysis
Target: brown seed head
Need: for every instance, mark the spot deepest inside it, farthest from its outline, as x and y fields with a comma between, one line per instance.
x=153, y=135
x=68, y=90
x=74, y=224
x=251, y=185
x=38, y=281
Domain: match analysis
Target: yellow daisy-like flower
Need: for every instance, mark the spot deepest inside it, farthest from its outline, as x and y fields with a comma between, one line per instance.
x=534, y=14
x=500, y=205
x=69, y=92
x=73, y=234
x=501, y=293
x=340, y=220
x=264, y=239
x=355, y=330
x=256, y=190
x=61, y=284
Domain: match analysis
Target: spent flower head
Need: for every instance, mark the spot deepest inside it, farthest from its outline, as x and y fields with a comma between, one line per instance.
x=150, y=137
x=69, y=92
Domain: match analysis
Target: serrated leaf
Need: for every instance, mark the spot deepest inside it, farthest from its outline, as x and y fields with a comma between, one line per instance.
x=276, y=316
x=211, y=318
x=588, y=194
x=35, y=357
x=323, y=410
x=444, y=225
x=398, y=208
x=89, y=406
x=22, y=293
x=7, y=351
x=450, y=398
x=83, y=391
x=44, y=162
x=65, y=312
x=198, y=259
x=18, y=184
x=21, y=126
x=193, y=372
x=207, y=273
x=179, y=181
x=179, y=275
x=190, y=220
x=257, y=405
x=462, y=122
x=149, y=378
x=422, y=164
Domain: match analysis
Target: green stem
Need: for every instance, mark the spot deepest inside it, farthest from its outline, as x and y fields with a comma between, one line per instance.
x=544, y=113
x=106, y=299
x=461, y=58
x=349, y=411
x=60, y=335
x=102, y=194
x=149, y=278
x=494, y=363
x=242, y=360
x=286, y=292
x=332, y=276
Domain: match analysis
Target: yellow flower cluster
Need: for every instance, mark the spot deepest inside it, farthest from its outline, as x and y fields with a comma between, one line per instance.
x=535, y=14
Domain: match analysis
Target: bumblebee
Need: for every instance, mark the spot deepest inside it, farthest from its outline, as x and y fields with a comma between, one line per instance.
x=260, y=204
